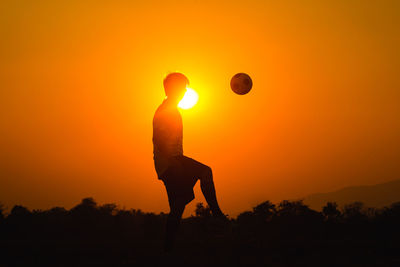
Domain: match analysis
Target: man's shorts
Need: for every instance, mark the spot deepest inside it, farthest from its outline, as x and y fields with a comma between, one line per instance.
x=180, y=178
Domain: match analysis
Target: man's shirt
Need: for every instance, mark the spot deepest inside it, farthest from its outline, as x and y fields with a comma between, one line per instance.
x=167, y=136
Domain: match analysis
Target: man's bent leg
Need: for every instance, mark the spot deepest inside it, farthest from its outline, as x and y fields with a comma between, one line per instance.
x=208, y=189
x=173, y=221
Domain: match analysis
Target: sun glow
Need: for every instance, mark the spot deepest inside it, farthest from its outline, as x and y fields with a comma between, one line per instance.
x=189, y=99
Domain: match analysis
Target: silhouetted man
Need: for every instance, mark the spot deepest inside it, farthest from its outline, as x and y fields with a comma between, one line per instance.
x=178, y=172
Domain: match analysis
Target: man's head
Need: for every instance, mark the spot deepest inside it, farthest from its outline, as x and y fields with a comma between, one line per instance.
x=175, y=86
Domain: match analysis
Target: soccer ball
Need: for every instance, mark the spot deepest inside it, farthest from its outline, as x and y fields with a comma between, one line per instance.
x=241, y=83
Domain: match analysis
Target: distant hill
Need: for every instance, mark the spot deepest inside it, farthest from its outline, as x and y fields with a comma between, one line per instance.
x=372, y=196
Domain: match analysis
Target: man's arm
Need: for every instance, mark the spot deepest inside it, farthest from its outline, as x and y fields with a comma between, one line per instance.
x=160, y=135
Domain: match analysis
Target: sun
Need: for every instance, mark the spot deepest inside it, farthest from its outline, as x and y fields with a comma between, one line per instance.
x=189, y=99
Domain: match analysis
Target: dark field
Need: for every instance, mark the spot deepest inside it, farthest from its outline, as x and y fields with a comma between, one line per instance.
x=287, y=234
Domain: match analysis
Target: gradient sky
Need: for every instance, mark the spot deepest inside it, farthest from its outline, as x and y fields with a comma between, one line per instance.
x=80, y=81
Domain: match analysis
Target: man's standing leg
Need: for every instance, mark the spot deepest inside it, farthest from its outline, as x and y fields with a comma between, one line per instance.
x=173, y=221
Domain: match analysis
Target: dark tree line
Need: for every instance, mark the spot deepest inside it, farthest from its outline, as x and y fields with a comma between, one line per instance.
x=277, y=234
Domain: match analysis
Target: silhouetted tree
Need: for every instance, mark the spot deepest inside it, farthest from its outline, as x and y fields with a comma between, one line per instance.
x=264, y=211
x=296, y=219
x=19, y=212
x=57, y=212
x=108, y=209
x=86, y=208
x=85, y=218
x=245, y=218
x=19, y=222
x=389, y=217
x=331, y=211
x=294, y=208
x=395, y=211
x=1, y=212
x=201, y=211
x=354, y=211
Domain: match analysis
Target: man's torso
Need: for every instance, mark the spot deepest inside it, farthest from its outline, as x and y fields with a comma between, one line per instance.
x=167, y=136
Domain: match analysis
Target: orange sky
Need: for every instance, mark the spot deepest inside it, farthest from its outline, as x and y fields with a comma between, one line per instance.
x=79, y=84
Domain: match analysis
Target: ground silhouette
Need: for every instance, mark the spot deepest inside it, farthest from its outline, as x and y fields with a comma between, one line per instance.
x=285, y=234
